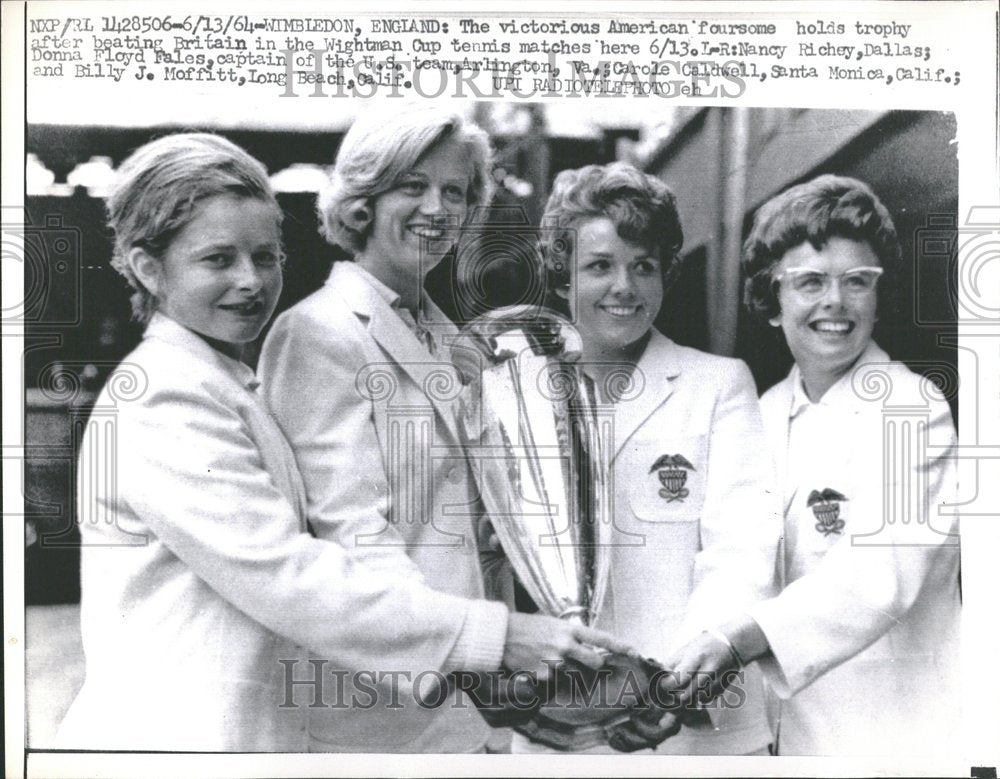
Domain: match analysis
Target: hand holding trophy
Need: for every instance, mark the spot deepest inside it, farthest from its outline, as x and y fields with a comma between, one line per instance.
x=532, y=428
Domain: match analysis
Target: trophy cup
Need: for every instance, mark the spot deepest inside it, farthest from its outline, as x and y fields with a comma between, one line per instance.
x=531, y=425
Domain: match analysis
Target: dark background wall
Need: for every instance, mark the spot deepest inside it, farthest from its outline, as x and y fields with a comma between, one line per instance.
x=724, y=163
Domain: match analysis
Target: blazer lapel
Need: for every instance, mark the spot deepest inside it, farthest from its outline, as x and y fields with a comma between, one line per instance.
x=657, y=366
x=433, y=376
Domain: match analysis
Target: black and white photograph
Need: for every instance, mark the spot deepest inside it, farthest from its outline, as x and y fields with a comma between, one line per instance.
x=627, y=390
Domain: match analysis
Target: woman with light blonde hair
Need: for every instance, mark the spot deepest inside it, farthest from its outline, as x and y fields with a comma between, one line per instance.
x=360, y=377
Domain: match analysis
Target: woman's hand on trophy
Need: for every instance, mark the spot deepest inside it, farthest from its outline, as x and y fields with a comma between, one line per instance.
x=647, y=728
x=537, y=644
x=709, y=663
x=700, y=671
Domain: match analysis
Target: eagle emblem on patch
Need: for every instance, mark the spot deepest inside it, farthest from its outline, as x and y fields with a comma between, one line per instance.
x=673, y=472
x=825, y=506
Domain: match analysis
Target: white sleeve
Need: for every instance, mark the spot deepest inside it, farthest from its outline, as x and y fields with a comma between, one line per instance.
x=309, y=373
x=200, y=484
x=740, y=522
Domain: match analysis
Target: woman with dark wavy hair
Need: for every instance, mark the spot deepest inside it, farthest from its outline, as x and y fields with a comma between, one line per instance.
x=862, y=644
x=695, y=526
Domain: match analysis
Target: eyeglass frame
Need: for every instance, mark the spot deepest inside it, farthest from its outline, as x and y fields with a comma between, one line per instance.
x=876, y=269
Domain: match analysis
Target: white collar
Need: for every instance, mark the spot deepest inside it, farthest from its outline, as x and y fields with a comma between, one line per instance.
x=164, y=328
x=430, y=313
x=841, y=393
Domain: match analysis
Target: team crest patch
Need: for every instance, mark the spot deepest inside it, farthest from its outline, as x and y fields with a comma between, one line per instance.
x=825, y=506
x=673, y=472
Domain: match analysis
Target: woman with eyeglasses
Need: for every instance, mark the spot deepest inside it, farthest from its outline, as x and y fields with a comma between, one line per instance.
x=861, y=645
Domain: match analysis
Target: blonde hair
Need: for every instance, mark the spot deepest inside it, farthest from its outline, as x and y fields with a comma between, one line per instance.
x=378, y=150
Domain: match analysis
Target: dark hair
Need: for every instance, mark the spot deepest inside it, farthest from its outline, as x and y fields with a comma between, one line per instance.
x=158, y=188
x=641, y=206
x=826, y=207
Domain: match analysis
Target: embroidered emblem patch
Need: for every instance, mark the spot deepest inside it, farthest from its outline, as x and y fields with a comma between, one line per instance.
x=826, y=508
x=673, y=472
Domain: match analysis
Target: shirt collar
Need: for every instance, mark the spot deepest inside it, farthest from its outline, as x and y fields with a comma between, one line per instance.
x=166, y=329
x=388, y=295
x=430, y=313
x=800, y=401
x=842, y=393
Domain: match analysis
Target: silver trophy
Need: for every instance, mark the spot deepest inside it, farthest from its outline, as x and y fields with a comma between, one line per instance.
x=532, y=427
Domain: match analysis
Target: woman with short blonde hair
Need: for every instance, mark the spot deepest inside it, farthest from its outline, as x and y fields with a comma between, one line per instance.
x=378, y=149
x=360, y=377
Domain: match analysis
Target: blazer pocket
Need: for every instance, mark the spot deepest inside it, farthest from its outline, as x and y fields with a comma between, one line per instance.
x=665, y=479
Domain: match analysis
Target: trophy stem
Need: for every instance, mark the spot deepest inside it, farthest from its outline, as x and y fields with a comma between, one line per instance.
x=584, y=509
x=543, y=476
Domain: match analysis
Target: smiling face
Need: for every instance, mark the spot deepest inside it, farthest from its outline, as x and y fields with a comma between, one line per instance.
x=616, y=289
x=221, y=274
x=410, y=216
x=827, y=335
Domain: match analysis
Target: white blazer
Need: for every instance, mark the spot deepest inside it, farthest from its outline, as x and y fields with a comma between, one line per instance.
x=692, y=556
x=696, y=556
x=198, y=576
x=865, y=635
x=371, y=418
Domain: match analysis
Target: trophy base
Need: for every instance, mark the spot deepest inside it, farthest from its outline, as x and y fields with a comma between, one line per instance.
x=567, y=737
x=586, y=705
